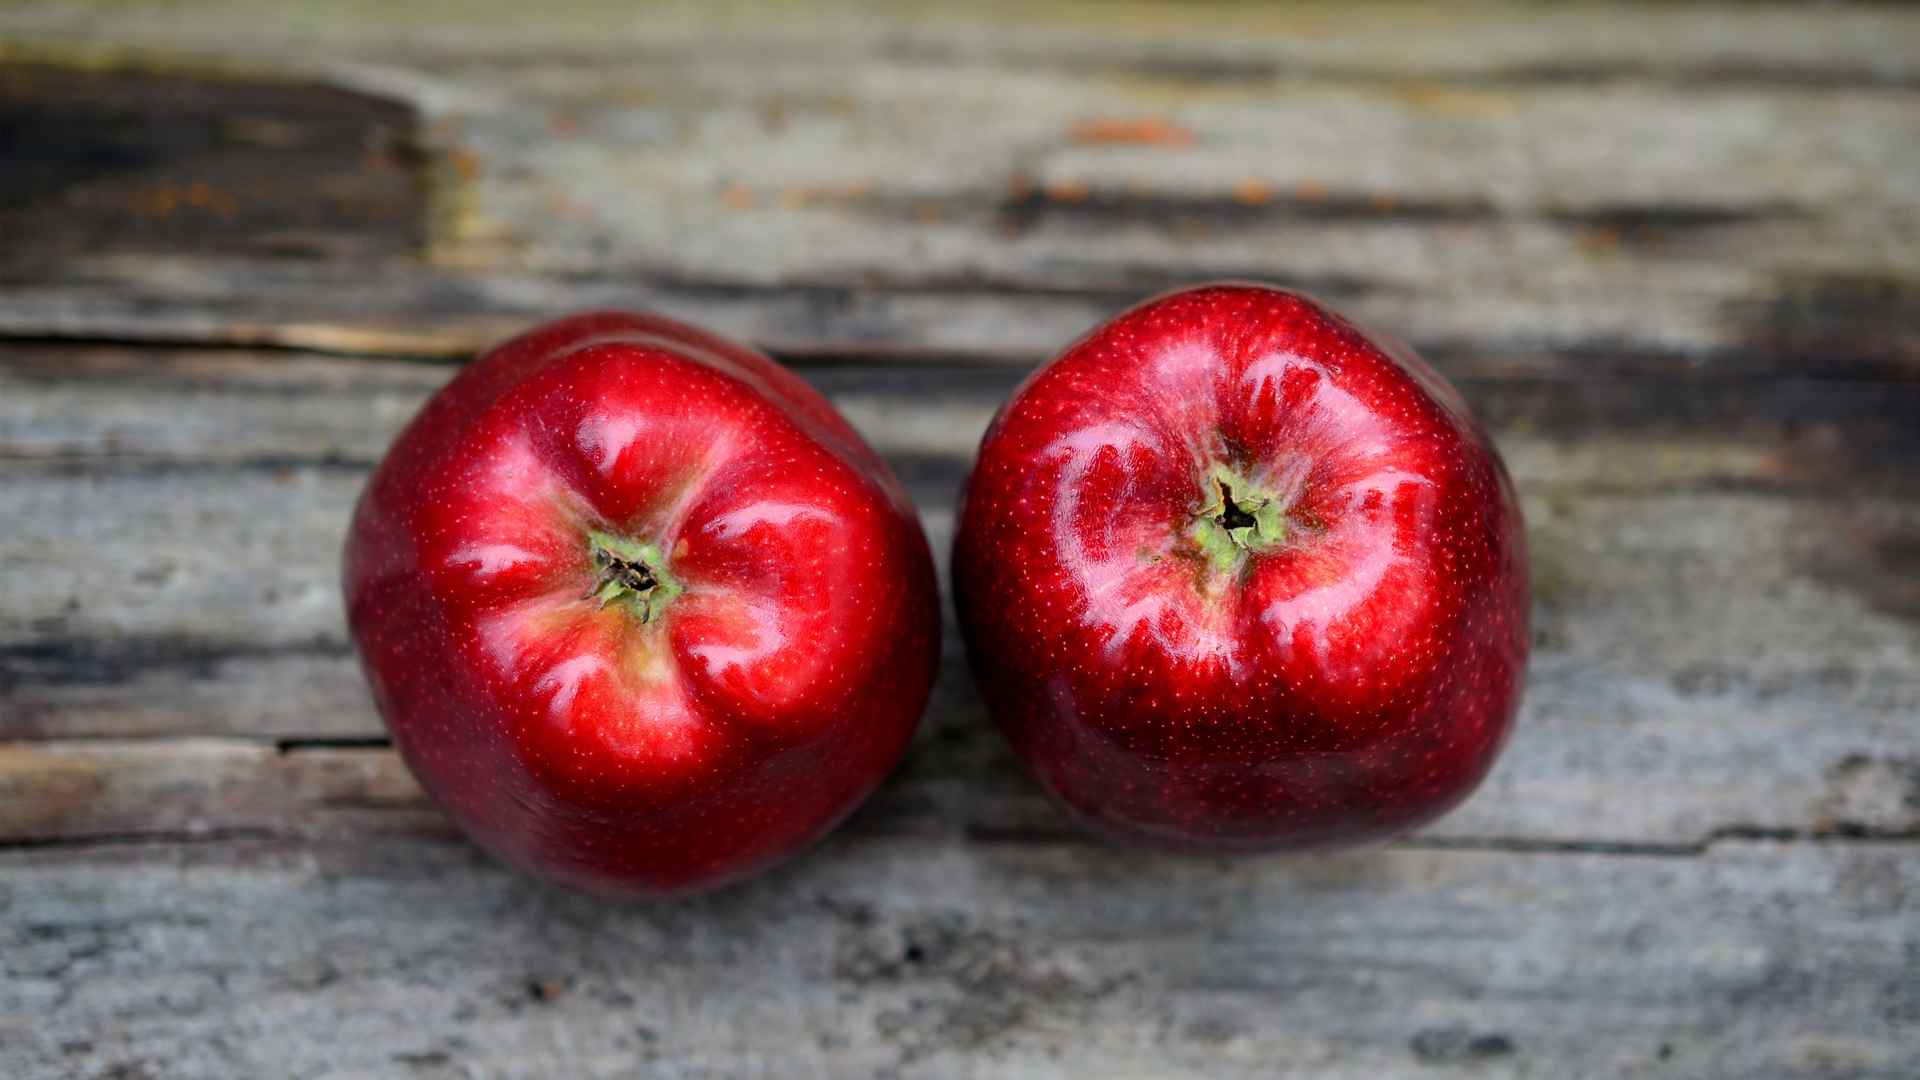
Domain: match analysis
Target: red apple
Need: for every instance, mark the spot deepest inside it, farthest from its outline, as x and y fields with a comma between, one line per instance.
x=1235, y=574
x=641, y=610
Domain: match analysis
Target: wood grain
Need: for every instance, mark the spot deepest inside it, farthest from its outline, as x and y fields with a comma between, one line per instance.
x=914, y=957
x=1643, y=207
x=1687, y=626
x=103, y=160
x=1828, y=324
x=1670, y=253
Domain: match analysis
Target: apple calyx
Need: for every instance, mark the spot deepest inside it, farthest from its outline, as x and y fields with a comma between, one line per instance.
x=1240, y=520
x=630, y=573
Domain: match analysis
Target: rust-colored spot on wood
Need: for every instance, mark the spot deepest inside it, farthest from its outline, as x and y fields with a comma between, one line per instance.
x=1252, y=191
x=1454, y=100
x=262, y=131
x=1069, y=190
x=1598, y=239
x=738, y=196
x=465, y=163
x=41, y=790
x=1191, y=231
x=560, y=206
x=795, y=196
x=1141, y=131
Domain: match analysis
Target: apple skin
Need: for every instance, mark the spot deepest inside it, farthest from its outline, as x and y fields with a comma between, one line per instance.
x=1333, y=653
x=641, y=610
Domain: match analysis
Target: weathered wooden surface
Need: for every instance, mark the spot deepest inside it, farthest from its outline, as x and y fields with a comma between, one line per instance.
x=1680, y=593
x=1671, y=255
x=916, y=956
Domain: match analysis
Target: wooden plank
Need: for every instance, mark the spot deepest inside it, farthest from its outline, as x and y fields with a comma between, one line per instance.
x=1760, y=227
x=1672, y=259
x=815, y=108
x=246, y=553
x=1575, y=776
x=206, y=787
x=75, y=403
x=183, y=418
x=1211, y=42
x=909, y=955
x=102, y=161
x=1689, y=623
x=1479, y=205
x=1845, y=324
x=1679, y=637
x=143, y=687
x=85, y=403
x=408, y=310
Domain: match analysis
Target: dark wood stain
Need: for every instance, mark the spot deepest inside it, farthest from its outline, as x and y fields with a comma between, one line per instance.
x=134, y=162
x=1864, y=321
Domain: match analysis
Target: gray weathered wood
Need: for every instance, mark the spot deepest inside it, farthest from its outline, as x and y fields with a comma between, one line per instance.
x=1633, y=318
x=1689, y=624
x=1562, y=429
x=1453, y=186
x=911, y=956
x=1201, y=42
x=1671, y=255
x=1863, y=44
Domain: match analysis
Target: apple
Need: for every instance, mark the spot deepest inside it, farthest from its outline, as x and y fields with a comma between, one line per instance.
x=641, y=610
x=1234, y=574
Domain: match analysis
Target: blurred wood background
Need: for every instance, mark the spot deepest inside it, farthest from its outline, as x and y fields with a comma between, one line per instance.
x=1671, y=253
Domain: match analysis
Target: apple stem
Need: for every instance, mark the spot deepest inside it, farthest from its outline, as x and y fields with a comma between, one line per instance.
x=1232, y=516
x=629, y=572
x=1229, y=528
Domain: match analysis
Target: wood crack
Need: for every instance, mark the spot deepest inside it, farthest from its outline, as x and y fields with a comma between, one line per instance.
x=298, y=744
x=172, y=837
x=94, y=662
x=1838, y=833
